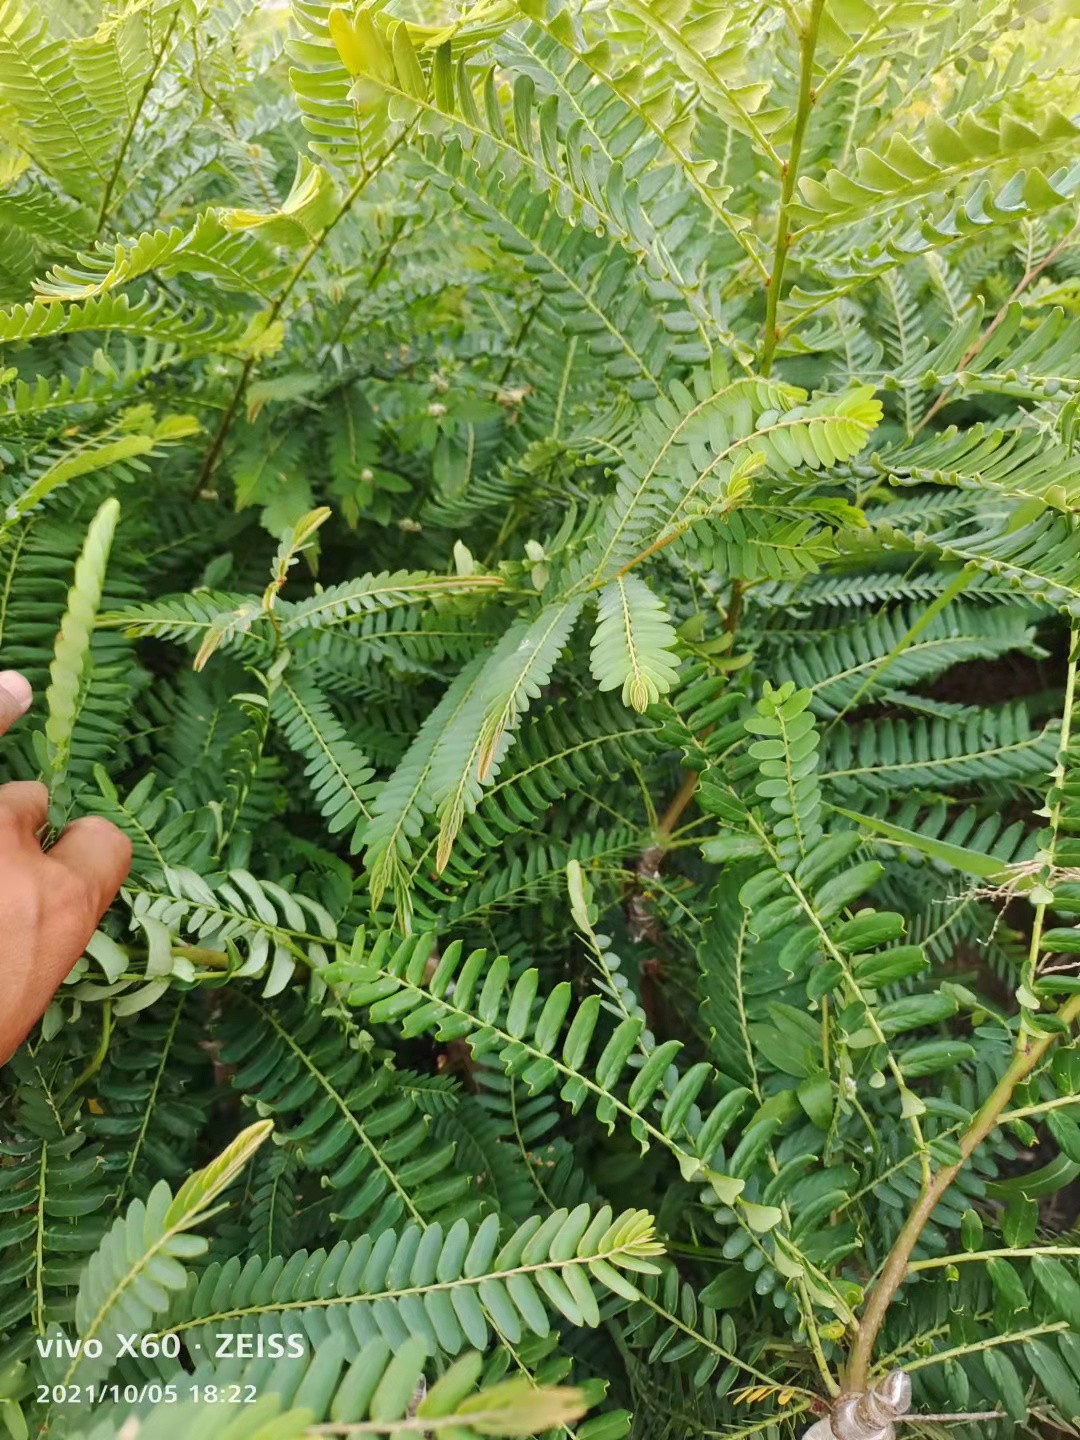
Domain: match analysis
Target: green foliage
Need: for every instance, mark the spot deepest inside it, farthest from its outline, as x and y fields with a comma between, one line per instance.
x=633, y=645
x=68, y=672
x=346, y=1110
x=446, y=1288
x=382, y=1392
x=552, y=528
x=127, y=1280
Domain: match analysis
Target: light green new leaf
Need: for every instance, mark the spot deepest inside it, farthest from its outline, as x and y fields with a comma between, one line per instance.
x=71, y=653
x=633, y=646
x=131, y=1277
x=513, y=675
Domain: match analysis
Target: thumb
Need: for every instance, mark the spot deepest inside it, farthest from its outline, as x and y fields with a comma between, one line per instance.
x=15, y=697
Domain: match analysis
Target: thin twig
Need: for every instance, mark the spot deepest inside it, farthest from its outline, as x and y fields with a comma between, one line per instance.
x=955, y=1418
x=366, y=176
x=991, y=1342
x=380, y=265
x=1025, y=1252
x=121, y=154
x=1032, y=273
x=680, y=801
x=210, y=460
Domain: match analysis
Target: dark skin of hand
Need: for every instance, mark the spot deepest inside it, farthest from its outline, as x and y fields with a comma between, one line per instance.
x=50, y=904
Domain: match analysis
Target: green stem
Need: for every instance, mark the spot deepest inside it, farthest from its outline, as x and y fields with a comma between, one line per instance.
x=703, y=1340
x=1013, y=1337
x=806, y=1308
x=830, y=948
x=148, y=1107
x=223, y=429
x=1031, y=965
x=1031, y=1046
x=200, y=955
x=98, y=1058
x=807, y=45
x=1028, y=1253
x=1024, y=1112
x=39, y=1243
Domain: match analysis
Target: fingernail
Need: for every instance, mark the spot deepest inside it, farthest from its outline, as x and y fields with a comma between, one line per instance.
x=18, y=687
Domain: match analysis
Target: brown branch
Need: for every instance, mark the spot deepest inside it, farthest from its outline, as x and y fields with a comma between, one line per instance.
x=680, y=801
x=1031, y=1046
x=1031, y=274
x=206, y=470
x=896, y=1267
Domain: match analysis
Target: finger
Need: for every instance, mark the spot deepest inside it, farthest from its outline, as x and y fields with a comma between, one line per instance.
x=24, y=805
x=15, y=697
x=99, y=854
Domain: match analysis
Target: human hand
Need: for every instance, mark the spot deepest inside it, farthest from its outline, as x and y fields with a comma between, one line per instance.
x=50, y=904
